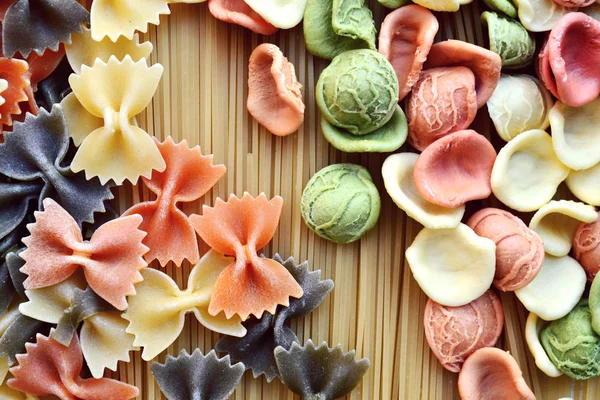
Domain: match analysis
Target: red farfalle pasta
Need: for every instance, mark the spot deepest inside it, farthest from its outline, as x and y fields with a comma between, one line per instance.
x=188, y=176
x=49, y=368
x=240, y=13
x=42, y=66
x=111, y=260
x=17, y=76
x=252, y=284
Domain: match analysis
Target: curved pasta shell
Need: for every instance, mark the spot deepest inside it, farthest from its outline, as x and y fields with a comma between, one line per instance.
x=533, y=328
x=556, y=223
x=442, y=5
x=556, y=289
x=405, y=40
x=274, y=97
x=575, y=134
x=540, y=15
x=284, y=14
x=527, y=173
x=398, y=176
x=492, y=373
x=457, y=255
x=585, y=184
x=455, y=169
x=239, y=13
x=520, y=103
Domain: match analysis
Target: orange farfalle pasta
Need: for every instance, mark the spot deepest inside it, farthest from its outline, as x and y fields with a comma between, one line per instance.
x=111, y=260
x=240, y=13
x=42, y=66
x=17, y=76
x=49, y=368
x=188, y=176
x=240, y=227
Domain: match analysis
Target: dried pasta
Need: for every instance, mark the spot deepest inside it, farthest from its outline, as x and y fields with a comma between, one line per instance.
x=156, y=314
x=188, y=176
x=99, y=114
x=37, y=25
x=111, y=260
x=49, y=368
x=35, y=150
x=197, y=376
x=255, y=349
x=240, y=227
x=17, y=76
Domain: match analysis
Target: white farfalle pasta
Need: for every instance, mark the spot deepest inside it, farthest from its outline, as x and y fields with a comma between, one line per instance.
x=527, y=173
x=397, y=172
x=452, y=266
x=156, y=313
x=556, y=289
x=585, y=184
x=540, y=15
x=104, y=342
x=103, y=338
x=556, y=223
x=519, y=103
x=575, y=134
x=99, y=115
x=533, y=328
x=84, y=50
x=284, y=14
x=115, y=18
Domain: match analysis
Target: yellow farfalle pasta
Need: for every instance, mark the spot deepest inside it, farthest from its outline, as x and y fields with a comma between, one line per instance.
x=556, y=223
x=115, y=18
x=99, y=115
x=84, y=50
x=575, y=134
x=527, y=173
x=156, y=314
x=3, y=87
x=103, y=339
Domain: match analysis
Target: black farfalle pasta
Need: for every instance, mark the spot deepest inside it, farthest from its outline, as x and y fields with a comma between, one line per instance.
x=15, y=202
x=319, y=372
x=55, y=87
x=256, y=348
x=11, y=279
x=35, y=149
x=37, y=25
x=84, y=304
x=197, y=376
x=21, y=329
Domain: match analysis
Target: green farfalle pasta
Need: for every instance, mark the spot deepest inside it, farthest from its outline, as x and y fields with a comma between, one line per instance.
x=358, y=91
x=340, y=203
x=509, y=39
x=572, y=344
x=334, y=26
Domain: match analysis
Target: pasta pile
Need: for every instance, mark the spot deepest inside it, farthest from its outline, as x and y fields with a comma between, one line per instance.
x=76, y=287
x=77, y=294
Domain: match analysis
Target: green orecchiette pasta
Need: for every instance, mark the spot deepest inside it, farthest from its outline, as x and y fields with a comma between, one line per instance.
x=340, y=203
x=358, y=91
x=334, y=26
x=509, y=39
x=572, y=344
